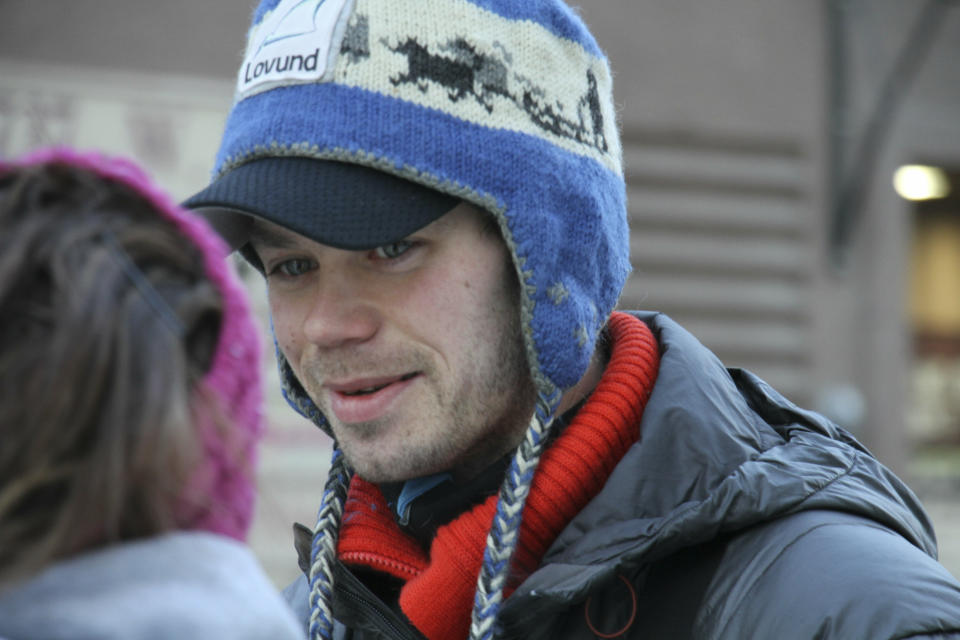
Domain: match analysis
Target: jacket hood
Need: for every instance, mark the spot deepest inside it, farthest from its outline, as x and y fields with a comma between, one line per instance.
x=719, y=451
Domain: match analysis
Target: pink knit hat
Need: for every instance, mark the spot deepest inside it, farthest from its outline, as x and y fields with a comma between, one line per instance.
x=224, y=482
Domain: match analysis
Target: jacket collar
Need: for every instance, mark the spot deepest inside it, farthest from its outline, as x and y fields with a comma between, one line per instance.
x=720, y=451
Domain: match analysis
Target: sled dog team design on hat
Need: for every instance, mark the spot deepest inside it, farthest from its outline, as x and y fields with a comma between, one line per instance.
x=299, y=41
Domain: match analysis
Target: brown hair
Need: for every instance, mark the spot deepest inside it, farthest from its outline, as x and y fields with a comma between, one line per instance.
x=96, y=376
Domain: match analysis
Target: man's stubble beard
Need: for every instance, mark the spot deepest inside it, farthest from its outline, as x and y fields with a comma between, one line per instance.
x=474, y=424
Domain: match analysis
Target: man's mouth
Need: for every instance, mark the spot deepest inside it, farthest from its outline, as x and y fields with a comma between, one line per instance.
x=363, y=392
x=376, y=387
x=366, y=399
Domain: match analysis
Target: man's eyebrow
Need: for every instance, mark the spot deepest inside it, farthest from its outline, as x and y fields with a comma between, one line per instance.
x=268, y=236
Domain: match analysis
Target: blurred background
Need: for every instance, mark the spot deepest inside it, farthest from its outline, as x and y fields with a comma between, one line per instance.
x=793, y=173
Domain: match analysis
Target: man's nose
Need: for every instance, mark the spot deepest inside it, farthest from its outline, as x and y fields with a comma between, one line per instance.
x=341, y=313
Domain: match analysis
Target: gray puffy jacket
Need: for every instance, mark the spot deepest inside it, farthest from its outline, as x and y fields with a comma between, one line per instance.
x=178, y=586
x=737, y=515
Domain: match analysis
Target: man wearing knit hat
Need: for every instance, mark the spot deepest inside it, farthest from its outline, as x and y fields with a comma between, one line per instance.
x=433, y=190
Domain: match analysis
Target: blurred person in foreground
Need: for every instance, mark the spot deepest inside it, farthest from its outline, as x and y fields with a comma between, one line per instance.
x=130, y=410
x=434, y=193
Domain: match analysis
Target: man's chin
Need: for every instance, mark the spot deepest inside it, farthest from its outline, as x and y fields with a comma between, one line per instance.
x=378, y=471
x=379, y=476
x=367, y=465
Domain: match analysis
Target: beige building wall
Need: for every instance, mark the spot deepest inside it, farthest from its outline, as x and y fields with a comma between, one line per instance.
x=935, y=277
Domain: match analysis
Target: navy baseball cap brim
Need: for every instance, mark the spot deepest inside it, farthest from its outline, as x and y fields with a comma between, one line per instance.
x=343, y=205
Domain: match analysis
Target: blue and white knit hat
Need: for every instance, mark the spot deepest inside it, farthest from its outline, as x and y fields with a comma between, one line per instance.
x=506, y=104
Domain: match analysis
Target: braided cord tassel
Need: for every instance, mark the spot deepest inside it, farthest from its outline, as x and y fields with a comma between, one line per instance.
x=505, y=532
x=323, y=552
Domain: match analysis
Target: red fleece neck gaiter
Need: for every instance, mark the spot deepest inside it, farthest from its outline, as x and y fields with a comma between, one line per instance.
x=438, y=595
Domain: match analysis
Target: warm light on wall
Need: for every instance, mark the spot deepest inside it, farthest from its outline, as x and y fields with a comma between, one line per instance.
x=921, y=182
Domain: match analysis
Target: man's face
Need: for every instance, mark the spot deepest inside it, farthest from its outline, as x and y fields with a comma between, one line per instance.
x=412, y=350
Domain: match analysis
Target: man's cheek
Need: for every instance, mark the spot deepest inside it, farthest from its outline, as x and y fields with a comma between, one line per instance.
x=289, y=341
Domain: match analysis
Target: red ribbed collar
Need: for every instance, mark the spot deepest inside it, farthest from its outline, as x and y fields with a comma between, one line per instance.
x=439, y=589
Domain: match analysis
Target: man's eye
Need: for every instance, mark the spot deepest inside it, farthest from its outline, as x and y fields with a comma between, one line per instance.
x=392, y=250
x=294, y=267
